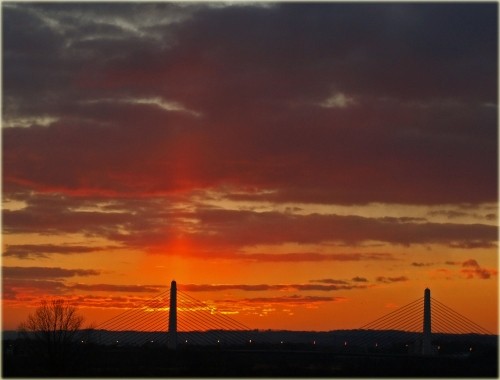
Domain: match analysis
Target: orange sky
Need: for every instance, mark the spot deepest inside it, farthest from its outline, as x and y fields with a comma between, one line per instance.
x=303, y=175
x=278, y=286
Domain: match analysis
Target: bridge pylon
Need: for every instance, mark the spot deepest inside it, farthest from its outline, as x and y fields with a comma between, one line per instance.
x=172, y=317
x=427, y=328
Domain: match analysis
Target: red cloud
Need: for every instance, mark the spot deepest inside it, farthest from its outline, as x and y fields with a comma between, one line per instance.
x=470, y=263
x=472, y=269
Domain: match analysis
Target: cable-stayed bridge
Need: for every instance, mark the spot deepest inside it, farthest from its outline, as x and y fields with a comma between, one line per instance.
x=415, y=325
x=174, y=318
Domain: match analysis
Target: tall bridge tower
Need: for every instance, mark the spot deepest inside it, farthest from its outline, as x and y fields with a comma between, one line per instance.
x=172, y=317
x=427, y=330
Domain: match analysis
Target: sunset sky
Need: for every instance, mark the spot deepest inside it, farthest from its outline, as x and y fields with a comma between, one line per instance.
x=303, y=166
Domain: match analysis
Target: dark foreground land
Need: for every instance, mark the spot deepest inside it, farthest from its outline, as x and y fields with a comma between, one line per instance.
x=263, y=361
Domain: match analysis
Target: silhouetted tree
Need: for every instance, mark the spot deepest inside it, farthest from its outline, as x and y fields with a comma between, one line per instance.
x=52, y=328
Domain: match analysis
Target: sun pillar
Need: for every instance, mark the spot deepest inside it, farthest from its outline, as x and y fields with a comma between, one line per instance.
x=426, y=338
x=172, y=317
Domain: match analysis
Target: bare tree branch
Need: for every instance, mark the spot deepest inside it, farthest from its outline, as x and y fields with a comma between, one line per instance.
x=53, y=326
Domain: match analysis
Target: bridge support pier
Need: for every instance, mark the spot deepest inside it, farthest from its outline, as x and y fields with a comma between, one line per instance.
x=172, y=317
x=427, y=330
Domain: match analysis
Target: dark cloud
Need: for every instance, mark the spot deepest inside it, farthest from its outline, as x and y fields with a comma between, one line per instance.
x=474, y=244
x=245, y=227
x=117, y=288
x=408, y=136
x=108, y=301
x=156, y=222
x=310, y=256
x=422, y=264
x=43, y=251
x=265, y=287
x=330, y=281
x=16, y=287
x=19, y=283
x=491, y=217
x=144, y=220
x=388, y=280
x=454, y=214
x=293, y=300
x=87, y=301
x=450, y=214
x=54, y=218
x=15, y=284
x=359, y=279
x=28, y=273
